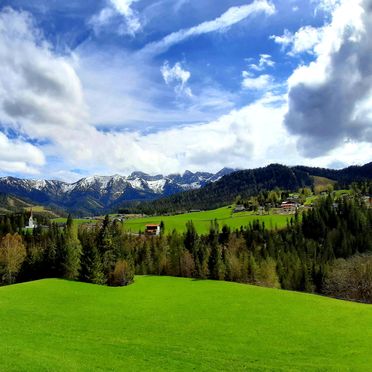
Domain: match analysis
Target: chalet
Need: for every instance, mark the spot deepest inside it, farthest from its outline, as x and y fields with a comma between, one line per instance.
x=289, y=206
x=152, y=229
x=239, y=208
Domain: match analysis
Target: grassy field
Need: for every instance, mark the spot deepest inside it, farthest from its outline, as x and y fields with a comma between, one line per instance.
x=170, y=324
x=202, y=220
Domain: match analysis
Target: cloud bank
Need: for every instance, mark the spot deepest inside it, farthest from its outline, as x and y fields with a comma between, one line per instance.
x=330, y=99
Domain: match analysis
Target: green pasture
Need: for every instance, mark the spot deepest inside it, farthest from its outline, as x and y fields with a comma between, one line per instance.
x=202, y=220
x=175, y=324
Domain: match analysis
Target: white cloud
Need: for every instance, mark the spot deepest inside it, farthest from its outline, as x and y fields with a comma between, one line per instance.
x=178, y=76
x=41, y=96
x=264, y=62
x=285, y=40
x=255, y=83
x=131, y=17
x=328, y=98
x=231, y=17
x=38, y=91
x=132, y=23
x=326, y=5
x=304, y=40
x=19, y=156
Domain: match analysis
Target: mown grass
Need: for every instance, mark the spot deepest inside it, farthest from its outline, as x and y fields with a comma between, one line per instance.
x=202, y=220
x=171, y=324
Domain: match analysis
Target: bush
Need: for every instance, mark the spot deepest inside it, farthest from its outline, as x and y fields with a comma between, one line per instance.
x=351, y=279
x=123, y=274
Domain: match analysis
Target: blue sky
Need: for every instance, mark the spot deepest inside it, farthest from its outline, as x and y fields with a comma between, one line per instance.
x=113, y=86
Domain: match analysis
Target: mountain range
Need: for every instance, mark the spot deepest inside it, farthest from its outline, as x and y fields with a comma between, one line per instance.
x=140, y=192
x=99, y=194
x=249, y=182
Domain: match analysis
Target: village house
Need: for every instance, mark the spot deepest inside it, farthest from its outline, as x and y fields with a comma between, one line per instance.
x=153, y=229
x=239, y=208
x=289, y=207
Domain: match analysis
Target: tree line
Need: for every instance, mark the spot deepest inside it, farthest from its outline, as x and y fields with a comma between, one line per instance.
x=317, y=252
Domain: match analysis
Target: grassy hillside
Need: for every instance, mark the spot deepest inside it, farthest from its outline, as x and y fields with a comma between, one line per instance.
x=323, y=184
x=162, y=323
x=13, y=204
x=202, y=220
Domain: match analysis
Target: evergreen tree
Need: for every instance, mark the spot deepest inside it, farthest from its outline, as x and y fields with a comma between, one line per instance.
x=73, y=250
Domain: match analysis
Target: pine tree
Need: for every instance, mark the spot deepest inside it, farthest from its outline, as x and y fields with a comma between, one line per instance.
x=73, y=250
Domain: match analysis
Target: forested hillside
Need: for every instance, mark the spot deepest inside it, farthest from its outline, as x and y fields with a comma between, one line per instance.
x=246, y=183
x=302, y=256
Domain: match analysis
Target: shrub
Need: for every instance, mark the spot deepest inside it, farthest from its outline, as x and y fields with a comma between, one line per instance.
x=123, y=274
x=351, y=279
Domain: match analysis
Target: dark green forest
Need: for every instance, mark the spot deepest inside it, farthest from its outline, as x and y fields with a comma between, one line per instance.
x=317, y=252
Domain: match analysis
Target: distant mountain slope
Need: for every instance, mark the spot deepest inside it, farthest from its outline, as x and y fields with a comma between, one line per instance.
x=10, y=203
x=101, y=194
x=342, y=176
x=98, y=194
x=13, y=204
x=250, y=182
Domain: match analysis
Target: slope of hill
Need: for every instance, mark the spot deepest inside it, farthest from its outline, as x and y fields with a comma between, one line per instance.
x=343, y=176
x=13, y=204
x=98, y=194
x=162, y=323
x=250, y=182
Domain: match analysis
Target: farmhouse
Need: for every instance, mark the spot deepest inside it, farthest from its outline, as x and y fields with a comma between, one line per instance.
x=239, y=208
x=152, y=229
x=288, y=206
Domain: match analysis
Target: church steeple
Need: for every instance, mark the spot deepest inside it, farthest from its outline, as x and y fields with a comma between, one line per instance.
x=31, y=223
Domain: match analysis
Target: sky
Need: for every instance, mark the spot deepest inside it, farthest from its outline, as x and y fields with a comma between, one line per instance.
x=163, y=86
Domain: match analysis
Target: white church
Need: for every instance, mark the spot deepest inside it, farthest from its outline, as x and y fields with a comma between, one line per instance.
x=31, y=222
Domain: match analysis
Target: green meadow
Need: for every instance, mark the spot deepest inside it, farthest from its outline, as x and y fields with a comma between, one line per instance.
x=202, y=220
x=169, y=324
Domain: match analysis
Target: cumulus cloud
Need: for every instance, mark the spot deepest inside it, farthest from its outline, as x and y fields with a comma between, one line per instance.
x=326, y=5
x=250, y=79
x=19, y=156
x=232, y=140
x=38, y=91
x=123, y=8
x=264, y=62
x=231, y=17
x=304, y=40
x=255, y=83
x=178, y=76
x=330, y=98
x=41, y=97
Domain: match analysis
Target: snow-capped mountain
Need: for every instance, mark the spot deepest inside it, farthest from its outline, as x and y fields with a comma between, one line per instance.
x=100, y=193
